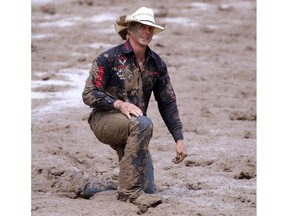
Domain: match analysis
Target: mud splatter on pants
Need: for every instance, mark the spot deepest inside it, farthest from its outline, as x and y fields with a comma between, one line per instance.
x=130, y=139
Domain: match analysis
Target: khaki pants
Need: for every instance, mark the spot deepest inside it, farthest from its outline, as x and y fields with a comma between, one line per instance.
x=130, y=138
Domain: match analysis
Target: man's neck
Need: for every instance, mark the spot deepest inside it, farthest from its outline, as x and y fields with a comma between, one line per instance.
x=138, y=49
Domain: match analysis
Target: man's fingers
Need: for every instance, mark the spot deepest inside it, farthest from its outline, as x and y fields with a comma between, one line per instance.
x=128, y=108
x=139, y=112
x=128, y=115
x=136, y=111
x=179, y=159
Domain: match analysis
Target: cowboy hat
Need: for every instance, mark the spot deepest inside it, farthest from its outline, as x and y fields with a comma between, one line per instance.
x=142, y=15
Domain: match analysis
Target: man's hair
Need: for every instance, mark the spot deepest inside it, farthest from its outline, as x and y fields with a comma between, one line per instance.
x=132, y=27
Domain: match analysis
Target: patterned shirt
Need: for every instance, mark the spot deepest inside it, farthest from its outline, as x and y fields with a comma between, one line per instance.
x=115, y=74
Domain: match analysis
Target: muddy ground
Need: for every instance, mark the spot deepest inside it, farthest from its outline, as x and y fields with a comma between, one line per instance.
x=210, y=49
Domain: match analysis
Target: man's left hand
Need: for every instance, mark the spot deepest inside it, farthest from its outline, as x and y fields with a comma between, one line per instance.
x=180, y=152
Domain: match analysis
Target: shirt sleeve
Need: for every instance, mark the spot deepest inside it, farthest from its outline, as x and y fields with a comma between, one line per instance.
x=166, y=99
x=94, y=94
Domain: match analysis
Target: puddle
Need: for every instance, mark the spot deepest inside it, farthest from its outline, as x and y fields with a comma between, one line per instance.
x=242, y=4
x=62, y=99
x=71, y=21
x=59, y=23
x=41, y=1
x=109, y=30
x=181, y=21
x=202, y=6
x=101, y=46
x=103, y=17
x=41, y=36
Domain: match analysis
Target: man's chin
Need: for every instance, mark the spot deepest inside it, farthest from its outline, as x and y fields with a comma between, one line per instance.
x=144, y=42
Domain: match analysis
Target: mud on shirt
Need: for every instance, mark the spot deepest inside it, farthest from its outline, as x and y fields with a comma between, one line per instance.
x=115, y=74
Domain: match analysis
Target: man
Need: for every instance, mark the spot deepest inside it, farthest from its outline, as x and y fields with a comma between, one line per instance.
x=119, y=86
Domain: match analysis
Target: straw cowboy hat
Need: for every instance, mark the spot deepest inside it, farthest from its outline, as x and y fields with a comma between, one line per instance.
x=142, y=15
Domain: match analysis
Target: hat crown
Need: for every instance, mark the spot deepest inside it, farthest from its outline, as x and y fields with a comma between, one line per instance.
x=144, y=14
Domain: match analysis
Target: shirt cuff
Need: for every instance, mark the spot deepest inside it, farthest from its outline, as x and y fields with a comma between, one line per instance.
x=178, y=135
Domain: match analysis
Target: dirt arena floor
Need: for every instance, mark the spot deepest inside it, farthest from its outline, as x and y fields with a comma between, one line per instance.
x=210, y=50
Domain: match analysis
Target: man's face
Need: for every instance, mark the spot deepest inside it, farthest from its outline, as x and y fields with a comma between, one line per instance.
x=142, y=34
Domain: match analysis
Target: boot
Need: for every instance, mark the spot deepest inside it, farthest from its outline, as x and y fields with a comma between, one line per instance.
x=147, y=200
x=90, y=189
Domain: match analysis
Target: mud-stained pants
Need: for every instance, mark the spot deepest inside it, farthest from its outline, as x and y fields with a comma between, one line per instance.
x=130, y=138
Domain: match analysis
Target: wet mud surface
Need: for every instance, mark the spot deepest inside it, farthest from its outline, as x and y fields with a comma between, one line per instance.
x=210, y=50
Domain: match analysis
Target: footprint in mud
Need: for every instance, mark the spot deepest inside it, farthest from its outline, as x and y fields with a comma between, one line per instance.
x=241, y=167
x=196, y=186
x=196, y=163
x=243, y=116
x=245, y=175
x=71, y=183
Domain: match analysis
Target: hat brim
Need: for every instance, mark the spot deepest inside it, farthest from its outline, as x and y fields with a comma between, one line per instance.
x=157, y=28
x=122, y=23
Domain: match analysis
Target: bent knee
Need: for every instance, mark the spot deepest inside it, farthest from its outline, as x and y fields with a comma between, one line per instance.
x=145, y=123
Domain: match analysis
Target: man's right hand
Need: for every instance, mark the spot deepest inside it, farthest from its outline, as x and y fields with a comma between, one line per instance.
x=127, y=108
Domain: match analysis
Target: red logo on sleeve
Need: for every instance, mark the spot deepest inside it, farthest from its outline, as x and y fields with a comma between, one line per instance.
x=100, y=77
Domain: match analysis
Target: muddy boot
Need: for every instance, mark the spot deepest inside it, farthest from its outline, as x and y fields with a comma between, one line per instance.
x=147, y=200
x=91, y=189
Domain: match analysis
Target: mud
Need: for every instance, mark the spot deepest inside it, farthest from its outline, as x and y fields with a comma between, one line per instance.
x=210, y=50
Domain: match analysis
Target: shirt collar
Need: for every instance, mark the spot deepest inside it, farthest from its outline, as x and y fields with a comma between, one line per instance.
x=127, y=48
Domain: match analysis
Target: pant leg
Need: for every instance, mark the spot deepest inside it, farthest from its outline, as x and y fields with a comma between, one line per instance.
x=130, y=138
x=110, y=127
x=148, y=177
x=133, y=178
